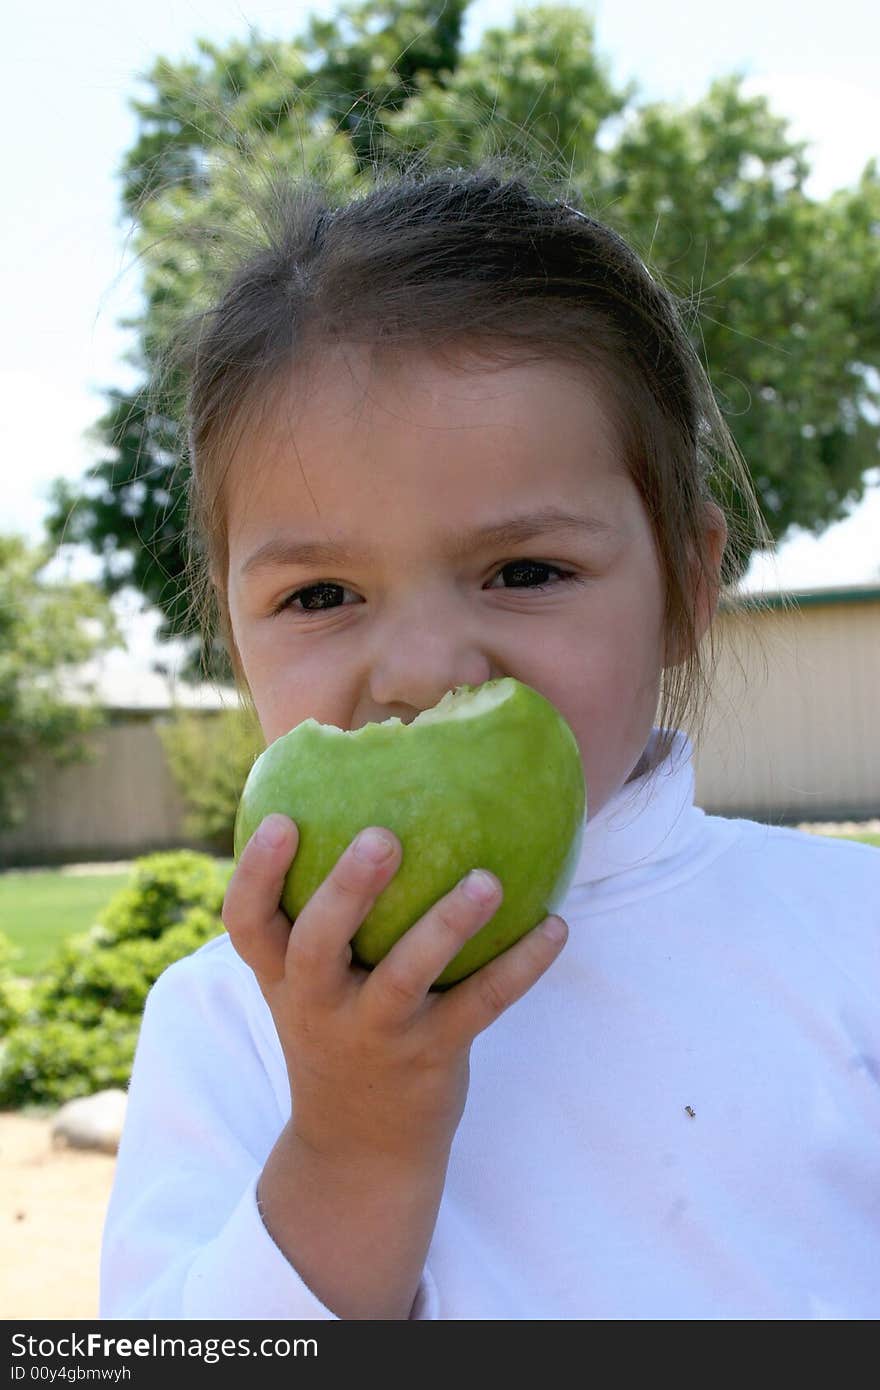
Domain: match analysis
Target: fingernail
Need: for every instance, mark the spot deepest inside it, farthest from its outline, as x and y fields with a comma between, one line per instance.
x=272, y=832
x=480, y=886
x=372, y=846
x=554, y=929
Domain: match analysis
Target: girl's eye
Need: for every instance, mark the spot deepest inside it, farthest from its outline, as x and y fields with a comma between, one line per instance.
x=520, y=566
x=313, y=597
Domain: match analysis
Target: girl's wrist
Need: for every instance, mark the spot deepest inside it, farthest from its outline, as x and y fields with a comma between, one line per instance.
x=367, y=1158
x=355, y=1224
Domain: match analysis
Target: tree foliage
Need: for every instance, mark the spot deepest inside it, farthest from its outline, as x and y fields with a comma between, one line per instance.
x=780, y=291
x=785, y=290
x=209, y=757
x=47, y=629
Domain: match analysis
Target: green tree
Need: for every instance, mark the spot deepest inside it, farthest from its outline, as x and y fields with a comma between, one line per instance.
x=780, y=291
x=785, y=291
x=372, y=59
x=47, y=629
x=537, y=89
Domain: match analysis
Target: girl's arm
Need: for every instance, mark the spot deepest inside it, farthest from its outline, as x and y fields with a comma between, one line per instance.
x=378, y=1065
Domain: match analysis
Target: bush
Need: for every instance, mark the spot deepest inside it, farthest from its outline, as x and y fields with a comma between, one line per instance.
x=57, y=1060
x=161, y=890
x=209, y=757
x=75, y=1031
x=14, y=994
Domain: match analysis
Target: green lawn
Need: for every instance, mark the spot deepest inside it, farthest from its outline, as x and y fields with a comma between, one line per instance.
x=39, y=909
x=866, y=838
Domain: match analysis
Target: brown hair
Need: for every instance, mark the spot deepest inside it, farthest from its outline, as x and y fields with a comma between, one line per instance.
x=409, y=262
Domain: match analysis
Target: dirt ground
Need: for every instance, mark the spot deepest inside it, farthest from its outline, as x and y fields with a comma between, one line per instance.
x=52, y=1204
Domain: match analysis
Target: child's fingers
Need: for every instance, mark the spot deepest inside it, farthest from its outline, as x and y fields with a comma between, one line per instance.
x=474, y=1003
x=399, y=983
x=257, y=927
x=319, y=950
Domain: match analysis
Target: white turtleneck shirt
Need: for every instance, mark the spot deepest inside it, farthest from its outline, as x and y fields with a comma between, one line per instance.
x=680, y=1120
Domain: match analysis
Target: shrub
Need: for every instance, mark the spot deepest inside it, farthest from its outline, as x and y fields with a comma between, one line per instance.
x=75, y=1031
x=57, y=1059
x=161, y=890
x=14, y=994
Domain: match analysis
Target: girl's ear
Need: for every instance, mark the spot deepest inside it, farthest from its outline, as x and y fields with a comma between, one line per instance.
x=706, y=587
x=708, y=594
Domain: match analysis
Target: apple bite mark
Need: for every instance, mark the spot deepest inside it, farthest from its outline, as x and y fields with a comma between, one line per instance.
x=488, y=778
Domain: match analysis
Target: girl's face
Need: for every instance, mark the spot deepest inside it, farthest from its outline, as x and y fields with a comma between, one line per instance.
x=396, y=531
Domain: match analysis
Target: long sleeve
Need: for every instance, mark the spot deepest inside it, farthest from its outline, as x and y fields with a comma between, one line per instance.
x=183, y=1237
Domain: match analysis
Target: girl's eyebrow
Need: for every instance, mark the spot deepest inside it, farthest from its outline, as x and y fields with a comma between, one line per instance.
x=284, y=550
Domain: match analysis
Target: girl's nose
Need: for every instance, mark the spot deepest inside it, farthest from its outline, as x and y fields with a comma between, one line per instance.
x=405, y=698
x=423, y=649
x=404, y=686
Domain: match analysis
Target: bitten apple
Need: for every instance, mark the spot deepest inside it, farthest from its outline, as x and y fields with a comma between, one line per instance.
x=490, y=777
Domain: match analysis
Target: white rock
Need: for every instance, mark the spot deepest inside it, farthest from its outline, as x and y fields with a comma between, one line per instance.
x=91, y=1122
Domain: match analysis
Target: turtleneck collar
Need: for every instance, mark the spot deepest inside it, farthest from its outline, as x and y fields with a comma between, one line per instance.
x=649, y=827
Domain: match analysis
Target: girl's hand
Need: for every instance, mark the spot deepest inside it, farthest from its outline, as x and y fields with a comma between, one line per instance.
x=378, y=1066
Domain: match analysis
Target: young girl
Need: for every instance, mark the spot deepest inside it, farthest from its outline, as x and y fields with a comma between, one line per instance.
x=447, y=432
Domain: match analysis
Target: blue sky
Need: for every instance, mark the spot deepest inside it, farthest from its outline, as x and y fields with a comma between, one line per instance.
x=67, y=276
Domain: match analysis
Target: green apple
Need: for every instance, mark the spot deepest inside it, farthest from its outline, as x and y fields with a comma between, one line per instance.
x=489, y=778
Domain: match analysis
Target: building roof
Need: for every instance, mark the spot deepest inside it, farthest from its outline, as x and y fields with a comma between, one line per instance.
x=118, y=683
x=805, y=598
